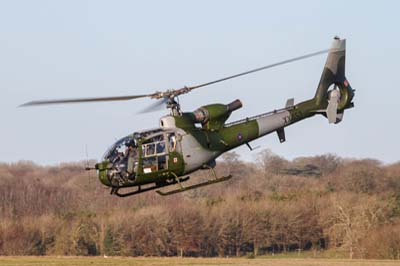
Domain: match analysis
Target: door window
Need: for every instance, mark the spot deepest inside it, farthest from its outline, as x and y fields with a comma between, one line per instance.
x=154, y=154
x=172, y=142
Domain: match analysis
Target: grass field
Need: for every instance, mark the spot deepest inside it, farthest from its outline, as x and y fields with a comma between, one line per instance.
x=88, y=261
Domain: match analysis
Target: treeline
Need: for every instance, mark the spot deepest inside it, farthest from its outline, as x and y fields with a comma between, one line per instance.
x=346, y=207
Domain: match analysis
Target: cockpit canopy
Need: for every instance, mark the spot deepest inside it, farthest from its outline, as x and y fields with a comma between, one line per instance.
x=123, y=156
x=120, y=147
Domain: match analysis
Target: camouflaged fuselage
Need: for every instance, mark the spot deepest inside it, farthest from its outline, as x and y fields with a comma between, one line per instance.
x=203, y=135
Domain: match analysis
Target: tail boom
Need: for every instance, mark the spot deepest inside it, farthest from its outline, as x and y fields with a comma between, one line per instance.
x=325, y=100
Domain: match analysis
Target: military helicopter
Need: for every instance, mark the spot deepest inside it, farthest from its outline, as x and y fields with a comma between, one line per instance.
x=189, y=141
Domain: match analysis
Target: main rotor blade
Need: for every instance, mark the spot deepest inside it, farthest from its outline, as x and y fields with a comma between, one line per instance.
x=82, y=100
x=169, y=93
x=259, y=69
x=156, y=106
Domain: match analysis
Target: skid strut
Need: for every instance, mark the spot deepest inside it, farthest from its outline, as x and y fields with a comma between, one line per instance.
x=181, y=188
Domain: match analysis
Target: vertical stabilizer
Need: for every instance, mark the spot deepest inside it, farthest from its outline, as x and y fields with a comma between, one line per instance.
x=333, y=100
x=334, y=70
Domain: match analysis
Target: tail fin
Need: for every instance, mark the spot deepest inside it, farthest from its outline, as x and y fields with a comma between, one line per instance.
x=332, y=103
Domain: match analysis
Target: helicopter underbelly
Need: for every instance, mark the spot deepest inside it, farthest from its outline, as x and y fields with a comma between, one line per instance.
x=194, y=154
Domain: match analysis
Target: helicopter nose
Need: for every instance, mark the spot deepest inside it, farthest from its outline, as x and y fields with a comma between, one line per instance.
x=102, y=168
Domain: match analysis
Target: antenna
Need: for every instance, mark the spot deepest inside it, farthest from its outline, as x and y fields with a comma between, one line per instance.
x=88, y=168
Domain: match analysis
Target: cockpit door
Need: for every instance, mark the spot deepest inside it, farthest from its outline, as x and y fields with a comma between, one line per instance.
x=154, y=154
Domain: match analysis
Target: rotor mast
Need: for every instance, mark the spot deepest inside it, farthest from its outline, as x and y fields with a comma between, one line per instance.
x=174, y=106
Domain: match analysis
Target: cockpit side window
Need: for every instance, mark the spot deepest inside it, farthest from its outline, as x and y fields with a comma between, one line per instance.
x=149, y=149
x=154, y=146
x=160, y=147
x=154, y=154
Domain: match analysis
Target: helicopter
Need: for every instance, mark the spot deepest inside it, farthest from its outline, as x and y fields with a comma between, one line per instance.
x=186, y=142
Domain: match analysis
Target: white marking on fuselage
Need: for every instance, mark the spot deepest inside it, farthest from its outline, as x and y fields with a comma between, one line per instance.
x=194, y=154
x=272, y=122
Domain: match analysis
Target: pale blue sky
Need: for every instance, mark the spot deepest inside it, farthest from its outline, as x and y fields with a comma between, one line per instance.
x=52, y=49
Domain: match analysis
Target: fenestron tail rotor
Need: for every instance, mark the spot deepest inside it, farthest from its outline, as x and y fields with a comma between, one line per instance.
x=166, y=97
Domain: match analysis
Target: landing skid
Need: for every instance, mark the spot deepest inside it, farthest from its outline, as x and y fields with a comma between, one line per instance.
x=115, y=190
x=181, y=188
